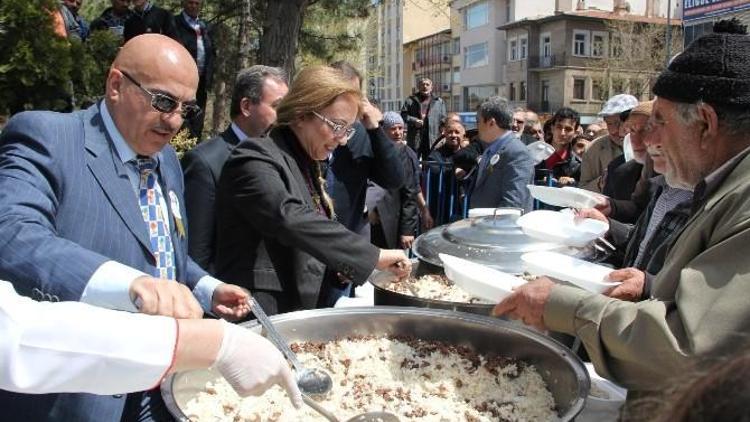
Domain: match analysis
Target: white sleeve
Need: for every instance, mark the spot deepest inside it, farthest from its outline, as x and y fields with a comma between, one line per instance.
x=74, y=347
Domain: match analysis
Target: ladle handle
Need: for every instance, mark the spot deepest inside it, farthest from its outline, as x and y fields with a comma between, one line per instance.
x=318, y=408
x=274, y=335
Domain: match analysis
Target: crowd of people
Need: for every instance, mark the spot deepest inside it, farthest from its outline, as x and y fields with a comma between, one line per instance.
x=129, y=18
x=311, y=187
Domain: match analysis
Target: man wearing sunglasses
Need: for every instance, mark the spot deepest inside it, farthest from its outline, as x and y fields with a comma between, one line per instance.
x=92, y=210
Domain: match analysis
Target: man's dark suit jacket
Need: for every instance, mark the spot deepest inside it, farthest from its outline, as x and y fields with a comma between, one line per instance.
x=397, y=208
x=621, y=178
x=202, y=167
x=186, y=36
x=270, y=238
x=368, y=155
x=155, y=21
x=67, y=207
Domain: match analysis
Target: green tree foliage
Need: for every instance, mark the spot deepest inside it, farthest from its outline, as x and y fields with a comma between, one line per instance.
x=39, y=70
x=328, y=33
x=34, y=63
x=93, y=59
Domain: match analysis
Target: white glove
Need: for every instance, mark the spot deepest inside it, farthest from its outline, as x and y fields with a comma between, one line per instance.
x=251, y=364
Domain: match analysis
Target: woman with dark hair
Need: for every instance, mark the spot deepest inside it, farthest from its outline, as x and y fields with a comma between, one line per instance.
x=276, y=230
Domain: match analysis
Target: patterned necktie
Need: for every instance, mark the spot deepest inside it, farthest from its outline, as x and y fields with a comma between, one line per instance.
x=150, y=200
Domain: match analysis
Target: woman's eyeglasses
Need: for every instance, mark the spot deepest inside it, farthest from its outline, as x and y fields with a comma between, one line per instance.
x=338, y=129
x=163, y=103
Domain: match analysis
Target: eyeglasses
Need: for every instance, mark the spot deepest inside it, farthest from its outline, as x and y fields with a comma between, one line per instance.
x=338, y=129
x=163, y=103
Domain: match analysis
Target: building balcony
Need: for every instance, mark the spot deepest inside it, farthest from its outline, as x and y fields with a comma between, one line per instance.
x=432, y=61
x=539, y=62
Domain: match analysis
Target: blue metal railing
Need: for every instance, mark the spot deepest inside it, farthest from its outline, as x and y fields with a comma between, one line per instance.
x=446, y=196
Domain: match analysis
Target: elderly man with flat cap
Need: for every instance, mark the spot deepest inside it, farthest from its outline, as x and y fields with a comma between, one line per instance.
x=603, y=150
x=92, y=210
x=697, y=307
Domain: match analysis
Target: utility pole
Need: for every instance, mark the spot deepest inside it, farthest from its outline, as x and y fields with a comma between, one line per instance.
x=669, y=33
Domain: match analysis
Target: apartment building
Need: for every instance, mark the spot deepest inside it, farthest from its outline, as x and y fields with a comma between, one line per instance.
x=699, y=16
x=393, y=23
x=553, y=61
x=480, y=48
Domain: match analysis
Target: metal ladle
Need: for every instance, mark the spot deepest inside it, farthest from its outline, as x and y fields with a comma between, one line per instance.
x=363, y=417
x=311, y=381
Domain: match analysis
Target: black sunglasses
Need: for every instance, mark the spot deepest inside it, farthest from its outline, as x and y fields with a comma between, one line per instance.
x=163, y=103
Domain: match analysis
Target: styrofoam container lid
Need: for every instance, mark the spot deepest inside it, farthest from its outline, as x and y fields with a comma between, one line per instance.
x=584, y=274
x=568, y=197
x=479, y=280
x=562, y=227
x=485, y=212
x=540, y=151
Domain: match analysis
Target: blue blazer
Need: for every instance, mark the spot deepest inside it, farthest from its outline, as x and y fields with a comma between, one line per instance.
x=504, y=183
x=66, y=207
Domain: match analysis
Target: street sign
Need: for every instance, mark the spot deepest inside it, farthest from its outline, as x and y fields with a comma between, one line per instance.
x=700, y=9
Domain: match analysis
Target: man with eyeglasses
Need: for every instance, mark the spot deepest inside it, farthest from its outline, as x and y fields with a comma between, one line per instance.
x=605, y=149
x=92, y=210
x=519, y=121
x=696, y=311
x=257, y=92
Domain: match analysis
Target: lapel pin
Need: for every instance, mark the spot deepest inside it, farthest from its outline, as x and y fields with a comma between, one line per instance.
x=175, y=205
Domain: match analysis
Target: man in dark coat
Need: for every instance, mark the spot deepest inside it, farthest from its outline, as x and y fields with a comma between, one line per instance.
x=148, y=19
x=364, y=157
x=113, y=18
x=393, y=214
x=257, y=92
x=193, y=33
x=423, y=113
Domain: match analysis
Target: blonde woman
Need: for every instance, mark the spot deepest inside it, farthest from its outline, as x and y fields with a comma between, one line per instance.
x=277, y=233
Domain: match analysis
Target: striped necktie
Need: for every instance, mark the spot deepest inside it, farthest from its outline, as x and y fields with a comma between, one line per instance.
x=154, y=214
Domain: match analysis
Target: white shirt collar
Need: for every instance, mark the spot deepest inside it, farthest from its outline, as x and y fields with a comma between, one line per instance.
x=192, y=22
x=237, y=131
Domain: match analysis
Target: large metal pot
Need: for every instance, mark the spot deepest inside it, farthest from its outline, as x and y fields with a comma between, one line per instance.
x=565, y=375
x=496, y=241
x=386, y=297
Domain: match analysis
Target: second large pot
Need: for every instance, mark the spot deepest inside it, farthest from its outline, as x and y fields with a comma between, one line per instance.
x=496, y=241
x=384, y=296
